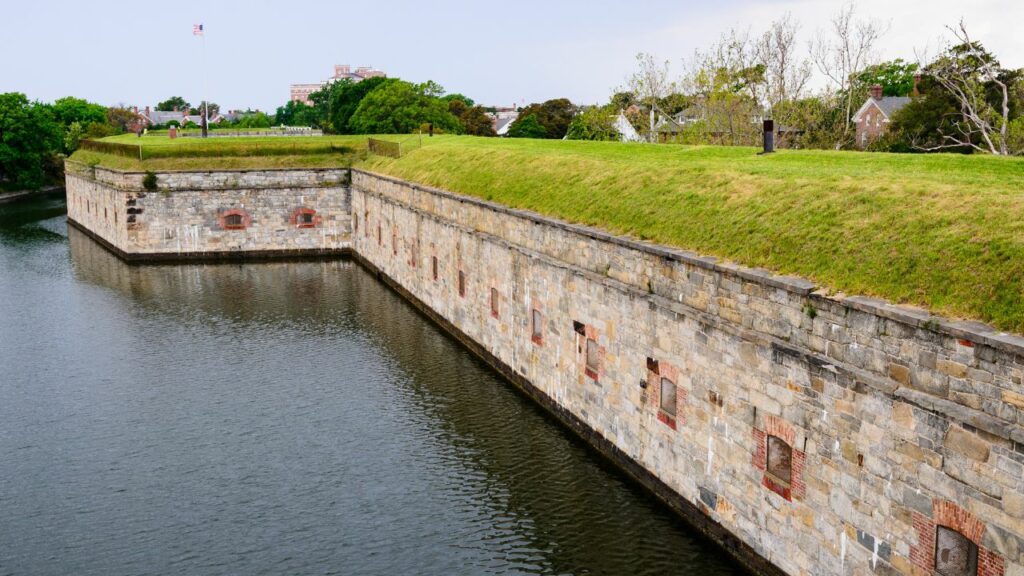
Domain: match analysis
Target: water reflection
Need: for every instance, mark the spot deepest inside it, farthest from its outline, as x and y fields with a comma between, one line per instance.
x=281, y=418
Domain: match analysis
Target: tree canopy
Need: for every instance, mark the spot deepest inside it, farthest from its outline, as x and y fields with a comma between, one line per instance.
x=553, y=116
x=527, y=126
x=400, y=107
x=28, y=136
x=174, y=102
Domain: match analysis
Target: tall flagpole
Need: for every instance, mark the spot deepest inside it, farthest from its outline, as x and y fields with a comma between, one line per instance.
x=206, y=104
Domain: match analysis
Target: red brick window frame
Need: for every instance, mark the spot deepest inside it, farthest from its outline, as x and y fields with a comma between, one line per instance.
x=304, y=218
x=771, y=446
x=665, y=393
x=537, y=325
x=589, y=349
x=949, y=516
x=495, y=303
x=235, y=219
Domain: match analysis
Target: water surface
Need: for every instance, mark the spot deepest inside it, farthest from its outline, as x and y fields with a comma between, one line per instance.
x=282, y=418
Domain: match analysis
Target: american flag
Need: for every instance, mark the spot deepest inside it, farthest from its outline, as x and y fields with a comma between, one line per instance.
x=197, y=29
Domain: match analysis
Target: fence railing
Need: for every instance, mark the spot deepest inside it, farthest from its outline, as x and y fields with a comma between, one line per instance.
x=394, y=149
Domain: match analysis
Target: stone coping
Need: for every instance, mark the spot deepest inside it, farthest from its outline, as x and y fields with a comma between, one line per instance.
x=973, y=331
x=211, y=171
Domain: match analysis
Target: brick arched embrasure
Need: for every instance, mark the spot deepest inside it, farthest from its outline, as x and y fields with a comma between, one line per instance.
x=948, y=514
x=297, y=219
x=224, y=217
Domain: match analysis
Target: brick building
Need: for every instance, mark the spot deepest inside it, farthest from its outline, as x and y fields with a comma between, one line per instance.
x=301, y=92
x=874, y=116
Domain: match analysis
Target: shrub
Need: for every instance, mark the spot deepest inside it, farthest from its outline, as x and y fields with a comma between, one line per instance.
x=149, y=180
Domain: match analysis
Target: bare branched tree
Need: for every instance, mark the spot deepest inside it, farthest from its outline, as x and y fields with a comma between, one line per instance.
x=967, y=72
x=848, y=49
x=785, y=74
x=650, y=84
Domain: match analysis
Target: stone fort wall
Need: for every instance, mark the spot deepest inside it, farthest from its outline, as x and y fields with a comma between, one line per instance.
x=229, y=213
x=809, y=434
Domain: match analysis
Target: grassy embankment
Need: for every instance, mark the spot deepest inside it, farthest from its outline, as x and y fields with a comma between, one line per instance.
x=942, y=231
x=161, y=153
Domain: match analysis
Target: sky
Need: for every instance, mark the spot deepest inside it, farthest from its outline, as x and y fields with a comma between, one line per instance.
x=142, y=52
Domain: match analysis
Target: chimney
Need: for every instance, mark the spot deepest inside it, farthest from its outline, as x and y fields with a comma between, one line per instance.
x=175, y=108
x=135, y=109
x=147, y=112
x=917, y=80
x=876, y=91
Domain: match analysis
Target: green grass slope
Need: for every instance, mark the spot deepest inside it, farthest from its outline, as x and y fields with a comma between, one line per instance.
x=942, y=231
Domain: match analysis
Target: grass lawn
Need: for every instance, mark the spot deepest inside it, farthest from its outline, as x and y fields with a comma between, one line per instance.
x=943, y=231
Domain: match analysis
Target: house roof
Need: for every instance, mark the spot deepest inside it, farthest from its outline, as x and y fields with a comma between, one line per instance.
x=502, y=125
x=889, y=105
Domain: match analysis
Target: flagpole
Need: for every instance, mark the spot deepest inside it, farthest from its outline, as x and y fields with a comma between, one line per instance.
x=206, y=104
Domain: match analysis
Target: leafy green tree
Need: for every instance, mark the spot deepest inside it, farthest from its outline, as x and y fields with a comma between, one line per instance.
x=594, y=123
x=174, y=102
x=297, y=114
x=896, y=78
x=527, y=127
x=28, y=138
x=257, y=120
x=968, y=103
x=338, y=101
x=70, y=109
x=553, y=115
x=121, y=118
x=214, y=108
x=75, y=116
x=467, y=101
x=400, y=107
x=476, y=122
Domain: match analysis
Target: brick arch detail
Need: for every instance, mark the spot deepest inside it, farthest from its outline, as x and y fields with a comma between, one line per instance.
x=949, y=515
x=297, y=214
x=222, y=219
x=780, y=428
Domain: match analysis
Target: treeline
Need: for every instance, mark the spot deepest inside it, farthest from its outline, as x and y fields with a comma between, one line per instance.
x=387, y=106
x=35, y=136
x=963, y=99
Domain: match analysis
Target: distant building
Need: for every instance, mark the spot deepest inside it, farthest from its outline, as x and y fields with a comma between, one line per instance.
x=301, y=92
x=627, y=133
x=873, y=118
x=502, y=118
x=161, y=117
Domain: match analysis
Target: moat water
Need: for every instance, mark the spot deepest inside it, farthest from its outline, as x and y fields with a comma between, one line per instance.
x=281, y=418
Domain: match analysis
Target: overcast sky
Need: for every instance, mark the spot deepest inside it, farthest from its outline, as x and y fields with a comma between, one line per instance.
x=141, y=52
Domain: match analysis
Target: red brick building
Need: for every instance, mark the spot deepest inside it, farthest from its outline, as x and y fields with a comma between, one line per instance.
x=874, y=116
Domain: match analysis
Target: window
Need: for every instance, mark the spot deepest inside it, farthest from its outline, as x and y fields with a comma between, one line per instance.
x=668, y=396
x=537, y=323
x=366, y=223
x=306, y=220
x=380, y=240
x=394, y=243
x=355, y=222
x=494, y=302
x=592, y=357
x=433, y=266
x=234, y=222
x=955, y=555
x=780, y=459
x=462, y=283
